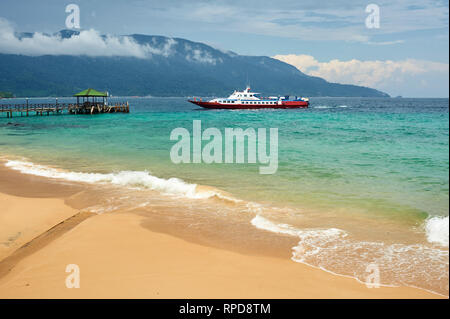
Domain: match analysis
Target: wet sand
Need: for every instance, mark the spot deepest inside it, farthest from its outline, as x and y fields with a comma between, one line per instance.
x=119, y=256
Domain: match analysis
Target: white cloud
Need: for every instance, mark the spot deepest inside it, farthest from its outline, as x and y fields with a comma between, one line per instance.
x=201, y=56
x=88, y=42
x=393, y=77
x=305, y=20
x=386, y=42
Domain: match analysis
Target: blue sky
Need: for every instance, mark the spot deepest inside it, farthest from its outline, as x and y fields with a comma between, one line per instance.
x=408, y=55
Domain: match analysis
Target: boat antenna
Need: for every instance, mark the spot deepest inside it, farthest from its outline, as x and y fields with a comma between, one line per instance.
x=247, y=83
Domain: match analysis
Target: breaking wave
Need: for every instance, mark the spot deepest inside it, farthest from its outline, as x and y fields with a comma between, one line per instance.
x=132, y=179
x=436, y=229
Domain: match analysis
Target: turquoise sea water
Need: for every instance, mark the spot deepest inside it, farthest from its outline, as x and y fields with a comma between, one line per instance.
x=344, y=162
x=371, y=154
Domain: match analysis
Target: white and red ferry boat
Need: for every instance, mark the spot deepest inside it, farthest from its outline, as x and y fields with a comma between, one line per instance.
x=251, y=100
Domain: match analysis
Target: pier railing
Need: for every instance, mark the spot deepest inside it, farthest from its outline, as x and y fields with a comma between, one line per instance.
x=60, y=108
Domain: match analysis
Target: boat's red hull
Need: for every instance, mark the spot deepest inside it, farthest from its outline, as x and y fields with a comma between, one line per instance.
x=283, y=105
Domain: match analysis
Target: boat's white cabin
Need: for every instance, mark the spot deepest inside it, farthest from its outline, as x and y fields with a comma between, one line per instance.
x=244, y=95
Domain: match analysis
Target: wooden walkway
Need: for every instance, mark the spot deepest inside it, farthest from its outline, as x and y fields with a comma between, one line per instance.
x=60, y=108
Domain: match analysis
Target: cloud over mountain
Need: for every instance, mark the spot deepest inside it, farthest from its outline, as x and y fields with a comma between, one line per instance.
x=87, y=42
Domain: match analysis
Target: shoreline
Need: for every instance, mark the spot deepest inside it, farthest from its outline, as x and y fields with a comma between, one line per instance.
x=119, y=257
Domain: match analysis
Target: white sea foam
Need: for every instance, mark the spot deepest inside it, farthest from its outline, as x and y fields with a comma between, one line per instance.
x=334, y=251
x=321, y=236
x=136, y=179
x=328, y=107
x=437, y=230
x=265, y=224
x=322, y=107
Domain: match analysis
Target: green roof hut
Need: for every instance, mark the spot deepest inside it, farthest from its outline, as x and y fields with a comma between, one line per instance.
x=94, y=94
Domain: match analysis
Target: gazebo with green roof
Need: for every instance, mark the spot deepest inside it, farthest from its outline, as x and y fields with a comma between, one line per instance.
x=94, y=94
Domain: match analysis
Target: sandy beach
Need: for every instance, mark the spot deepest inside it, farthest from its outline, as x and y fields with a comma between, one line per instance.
x=119, y=258
x=213, y=150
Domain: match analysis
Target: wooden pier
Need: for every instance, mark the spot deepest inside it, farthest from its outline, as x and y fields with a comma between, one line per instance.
x=87, y=103
x=60, y=108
